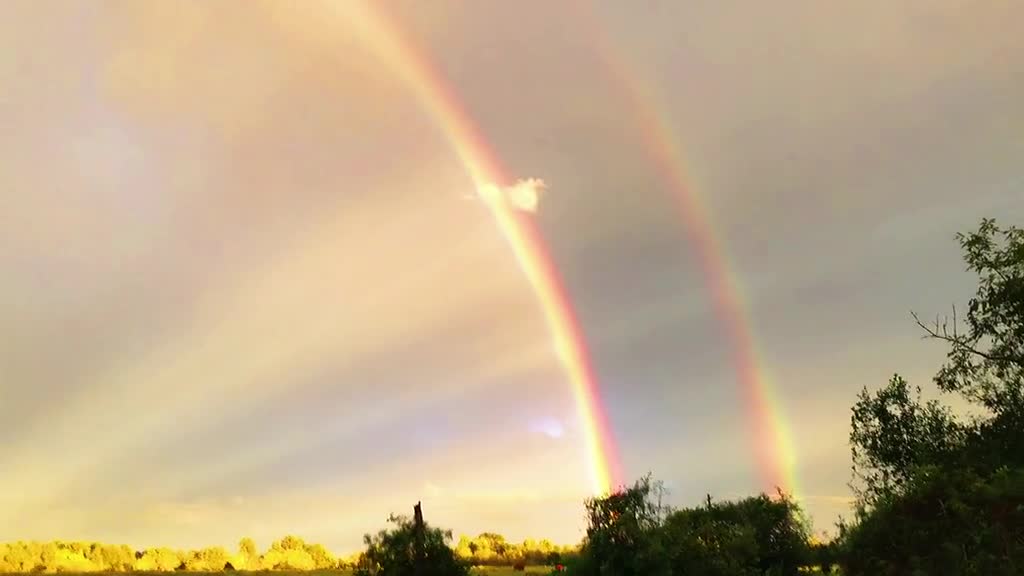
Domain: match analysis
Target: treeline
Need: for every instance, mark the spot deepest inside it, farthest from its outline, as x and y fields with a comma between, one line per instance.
x=489, y=549
x=289, y=553
x=631, y=533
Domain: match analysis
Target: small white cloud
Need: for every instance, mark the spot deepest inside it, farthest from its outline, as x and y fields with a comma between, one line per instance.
x=524, y=195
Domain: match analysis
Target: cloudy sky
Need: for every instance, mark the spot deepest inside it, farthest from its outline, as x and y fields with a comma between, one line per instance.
x=245, y=288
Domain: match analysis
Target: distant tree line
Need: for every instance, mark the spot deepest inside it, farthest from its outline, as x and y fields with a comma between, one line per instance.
x=490, y=549
x=289, y=553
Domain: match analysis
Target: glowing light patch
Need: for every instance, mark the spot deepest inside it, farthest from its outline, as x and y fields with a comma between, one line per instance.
x=550, y=427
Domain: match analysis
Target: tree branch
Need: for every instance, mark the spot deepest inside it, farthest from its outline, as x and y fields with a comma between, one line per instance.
x=959, y=343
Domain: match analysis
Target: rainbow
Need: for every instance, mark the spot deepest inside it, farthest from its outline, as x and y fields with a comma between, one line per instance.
x=770, y=435
x=519, y=230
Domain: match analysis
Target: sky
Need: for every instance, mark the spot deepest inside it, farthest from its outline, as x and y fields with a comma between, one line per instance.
x=248, y=286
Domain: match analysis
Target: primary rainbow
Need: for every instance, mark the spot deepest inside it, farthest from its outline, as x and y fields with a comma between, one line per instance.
x=770, y=436
x=519, y=230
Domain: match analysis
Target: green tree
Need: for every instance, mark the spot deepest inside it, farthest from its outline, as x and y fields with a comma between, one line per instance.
x=393, y=552
x=940, y=494
x=947, y=521
x=893, y=434
x=757, y=535
x=623, y=532
x=985, y=363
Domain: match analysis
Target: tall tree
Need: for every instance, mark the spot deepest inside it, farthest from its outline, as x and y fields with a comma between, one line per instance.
x=247, y=554
x=894, y=433
x=394, y=552
x=941, y=494
x=623, y=532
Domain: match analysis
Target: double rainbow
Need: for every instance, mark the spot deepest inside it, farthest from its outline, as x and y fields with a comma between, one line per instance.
x=770, y=437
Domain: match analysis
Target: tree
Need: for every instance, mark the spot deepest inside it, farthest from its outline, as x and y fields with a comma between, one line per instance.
x=322, y=559
x=247, y=555
x=947, y=521
x=464, y=549
x=623, y=532
x=393, y=552
x=757, y=535
x=158, y=560
x=893, y=434
x=985, y=364
x=938, y=493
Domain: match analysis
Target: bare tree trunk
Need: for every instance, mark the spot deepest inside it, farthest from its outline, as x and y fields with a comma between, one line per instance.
x=419, y=533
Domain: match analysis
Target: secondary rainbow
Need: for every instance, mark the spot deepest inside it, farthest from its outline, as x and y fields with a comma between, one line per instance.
x=484, y=169
x=770, y=435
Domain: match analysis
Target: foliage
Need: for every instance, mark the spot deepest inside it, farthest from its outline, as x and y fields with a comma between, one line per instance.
x=489, y=549
x=289, y=553
x=986, y=364
x=756, y=535
x=948, y=521
x=624, y=532
x=940, y=494
x=394, y=552
x=158, y=560
x=632, y=532
x=248, y=558
x=823, y=555
x=893, y=434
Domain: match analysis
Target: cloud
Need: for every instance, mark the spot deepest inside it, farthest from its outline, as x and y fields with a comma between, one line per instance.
x=524, y=195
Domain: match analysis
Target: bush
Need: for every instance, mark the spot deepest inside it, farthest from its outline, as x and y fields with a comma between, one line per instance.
x=630, y=532
x=393, y=553
x=758, y=535
x=949, y=521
